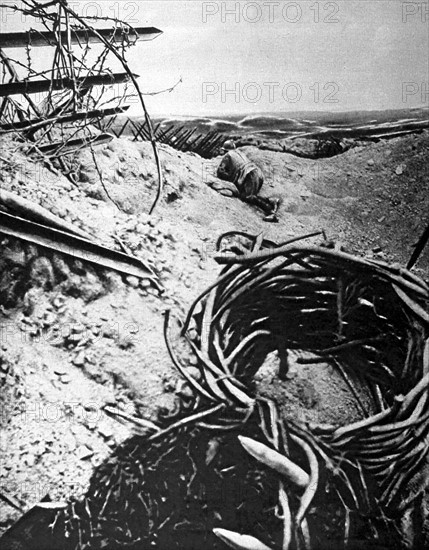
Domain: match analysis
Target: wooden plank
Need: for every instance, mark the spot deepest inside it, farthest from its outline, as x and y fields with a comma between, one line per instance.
x=58, y=148
x=37, y=86
x=78, y=36
x=72, y=245
x=33, y=211
x=40, y=122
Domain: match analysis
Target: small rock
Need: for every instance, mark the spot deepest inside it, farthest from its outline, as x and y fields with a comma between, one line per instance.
x=141, y=228
x=91, y=406
x=400, y=169
x=370, y=162
x=105, y=430
x=132, y=281
x=65, y=379
x=60, y=370
x=185, y=391
x=78, y=328
x=377, y=249
x=75, y=338
x=49, y=319
x=79, y=360
x=145, y=283
x=30, y=460
x=153, y=291
x=83, y=453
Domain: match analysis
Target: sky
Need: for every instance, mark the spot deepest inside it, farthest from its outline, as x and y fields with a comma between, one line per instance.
x=240, y=57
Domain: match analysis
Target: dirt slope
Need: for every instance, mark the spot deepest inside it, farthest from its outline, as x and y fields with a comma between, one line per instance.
x=68, y=351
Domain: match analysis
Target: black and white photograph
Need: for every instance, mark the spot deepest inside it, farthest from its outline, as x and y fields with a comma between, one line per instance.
x=214, y=275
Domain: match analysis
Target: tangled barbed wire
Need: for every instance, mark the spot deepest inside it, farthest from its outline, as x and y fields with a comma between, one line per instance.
x=370, y=321
x=226, y=467
x=79, y=88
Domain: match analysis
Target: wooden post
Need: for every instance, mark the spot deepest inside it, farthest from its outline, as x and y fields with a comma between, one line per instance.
x=38, y=86
x=40, y=122
x=78, y=36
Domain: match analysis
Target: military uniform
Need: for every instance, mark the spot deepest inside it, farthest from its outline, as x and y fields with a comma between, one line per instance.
x=241, y=171
x=247, y=178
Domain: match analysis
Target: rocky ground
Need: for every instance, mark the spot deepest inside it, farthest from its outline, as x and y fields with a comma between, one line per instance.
x=77, y=339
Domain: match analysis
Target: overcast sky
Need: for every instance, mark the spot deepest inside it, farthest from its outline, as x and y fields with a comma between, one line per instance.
x=241, y=57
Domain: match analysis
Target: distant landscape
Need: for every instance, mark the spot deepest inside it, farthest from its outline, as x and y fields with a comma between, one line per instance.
x=304, y=134
x=356, y=124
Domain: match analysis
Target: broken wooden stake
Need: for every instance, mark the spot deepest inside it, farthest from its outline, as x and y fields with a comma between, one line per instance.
x=28, y=209
x=35, y=123
x=61, y=148
x=71, y=245
x=46, y=85
x=77, y=36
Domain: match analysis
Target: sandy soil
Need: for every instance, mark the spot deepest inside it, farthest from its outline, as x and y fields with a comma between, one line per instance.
x=68, y=351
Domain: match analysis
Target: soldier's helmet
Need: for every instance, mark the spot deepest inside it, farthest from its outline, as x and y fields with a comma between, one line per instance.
x=229, y=145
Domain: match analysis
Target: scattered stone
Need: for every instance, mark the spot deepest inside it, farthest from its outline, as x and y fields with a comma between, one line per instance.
x=65, y=379
x=400, y=169
x=185, y=391
x=79, y=360
x=141, y=228
x=132, y=281
x=60, y=370
x=78, y=328
x=144, y=218
x=91, y=406
x=153, y=291
x=83, y=453
x=74, y=338
x=105, y=430
x=49, y=319
x=370, y=162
